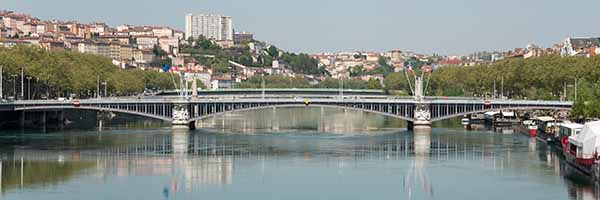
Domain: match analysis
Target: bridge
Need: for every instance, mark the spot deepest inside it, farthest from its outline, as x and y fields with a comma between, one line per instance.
x=280, y=91
x=419, y=112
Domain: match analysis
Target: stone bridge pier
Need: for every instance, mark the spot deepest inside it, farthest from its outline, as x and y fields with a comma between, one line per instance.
x=181, y=117
x=422, y=119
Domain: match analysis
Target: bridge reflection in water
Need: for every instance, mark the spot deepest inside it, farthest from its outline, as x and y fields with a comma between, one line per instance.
x=197, y=160
x=210, y=158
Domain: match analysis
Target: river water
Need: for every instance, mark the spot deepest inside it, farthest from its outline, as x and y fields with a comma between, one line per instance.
x=285, y=154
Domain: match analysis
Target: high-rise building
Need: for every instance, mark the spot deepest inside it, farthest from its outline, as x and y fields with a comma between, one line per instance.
x=215, y=27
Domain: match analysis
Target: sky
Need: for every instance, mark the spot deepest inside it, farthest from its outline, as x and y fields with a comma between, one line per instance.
x=446, y=27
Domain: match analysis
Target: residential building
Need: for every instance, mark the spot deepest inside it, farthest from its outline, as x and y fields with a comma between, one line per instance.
x=115, y=50
x=168, y=44
x=121, y=39
x=98, y=28
x=225, y=43
x=143, y=57
x=52, y=45
x=215, y=27
x=141, y=31
x=123, y=28
x=221, y=82
x=395, y=55
x=103, y=49
x=162, y=32
x=179, y=35
x=126, y=52
x=579, y=46
x=146, y=42
x=240, y=37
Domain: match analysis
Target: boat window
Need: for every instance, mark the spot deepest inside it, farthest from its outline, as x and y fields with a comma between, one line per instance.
x=573, y=148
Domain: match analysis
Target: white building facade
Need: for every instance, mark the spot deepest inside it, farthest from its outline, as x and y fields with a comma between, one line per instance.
x=215, y=27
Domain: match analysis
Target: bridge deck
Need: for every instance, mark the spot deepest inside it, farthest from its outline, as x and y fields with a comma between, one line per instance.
x=436, y=108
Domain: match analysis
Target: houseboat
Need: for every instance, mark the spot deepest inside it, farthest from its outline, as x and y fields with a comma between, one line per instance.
x=583, y=148
x=477, y=118
x=527, y=127
x=489, y=117
x=466, y=121
x=566, y=130
x=547, y=129
x=505, y=119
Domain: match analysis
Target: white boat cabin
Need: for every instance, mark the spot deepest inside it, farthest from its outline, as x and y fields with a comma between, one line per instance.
x=570, y=129
x=586, y=145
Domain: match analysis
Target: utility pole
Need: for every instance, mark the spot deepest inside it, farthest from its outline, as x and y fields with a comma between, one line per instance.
x=22, y=83
x=105, y=91
x=494, y=95
x=502, y=88
x=262, y=85
x=14, y=86
x=29, y=88
x=342, y=87
x=1, y=80
x=98, y=86
x=565, y=90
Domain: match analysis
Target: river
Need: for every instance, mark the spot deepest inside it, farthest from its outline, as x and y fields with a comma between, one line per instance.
x=284, y=154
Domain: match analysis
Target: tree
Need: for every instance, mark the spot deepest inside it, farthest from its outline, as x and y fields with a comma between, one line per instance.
x=158, y=51
x=383, y=67
x=61, y=73
x=273, y=51
x=396, y=81
x=374, y=84
x=356, y=71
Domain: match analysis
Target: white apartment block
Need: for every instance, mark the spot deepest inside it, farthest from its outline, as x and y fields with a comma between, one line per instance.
x=168, y=43
x=215, y=27
x=162, y=32
x=146, y=42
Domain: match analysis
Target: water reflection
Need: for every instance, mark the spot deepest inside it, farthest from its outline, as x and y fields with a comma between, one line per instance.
x=417, y=174
x=199, y=159
x=178, y=164
x=328, y=120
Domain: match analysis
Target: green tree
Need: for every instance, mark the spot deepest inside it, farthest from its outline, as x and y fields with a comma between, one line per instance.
x=374, y=84
x=273, y=51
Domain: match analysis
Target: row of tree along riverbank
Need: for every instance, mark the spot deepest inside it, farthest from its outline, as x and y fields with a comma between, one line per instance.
x=54, y=74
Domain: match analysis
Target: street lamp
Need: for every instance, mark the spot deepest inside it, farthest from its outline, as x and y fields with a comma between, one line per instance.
x=22, y=83
x=1, y=84
x=14, y=85
x=29, y=87
x=105, y=93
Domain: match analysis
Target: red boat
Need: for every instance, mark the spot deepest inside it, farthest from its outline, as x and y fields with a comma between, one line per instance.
x=528, y=127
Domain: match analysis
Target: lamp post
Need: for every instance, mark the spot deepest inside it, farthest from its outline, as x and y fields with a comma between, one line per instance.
x=1, y=80
x=22, y=83
x=262, y=84
x=28, y=88
x=98, y=87
x=14, y=85
x=342, y=87
x=105, y=91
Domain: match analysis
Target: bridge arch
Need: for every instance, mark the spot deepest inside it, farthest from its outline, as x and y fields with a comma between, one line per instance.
x=498, y=109
x=142, y=114
x=198, y=118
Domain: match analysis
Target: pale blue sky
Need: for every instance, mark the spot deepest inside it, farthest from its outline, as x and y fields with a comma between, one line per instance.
x=427, y=26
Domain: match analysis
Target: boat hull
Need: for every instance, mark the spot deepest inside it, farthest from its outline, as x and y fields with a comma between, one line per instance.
x=587, y=167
